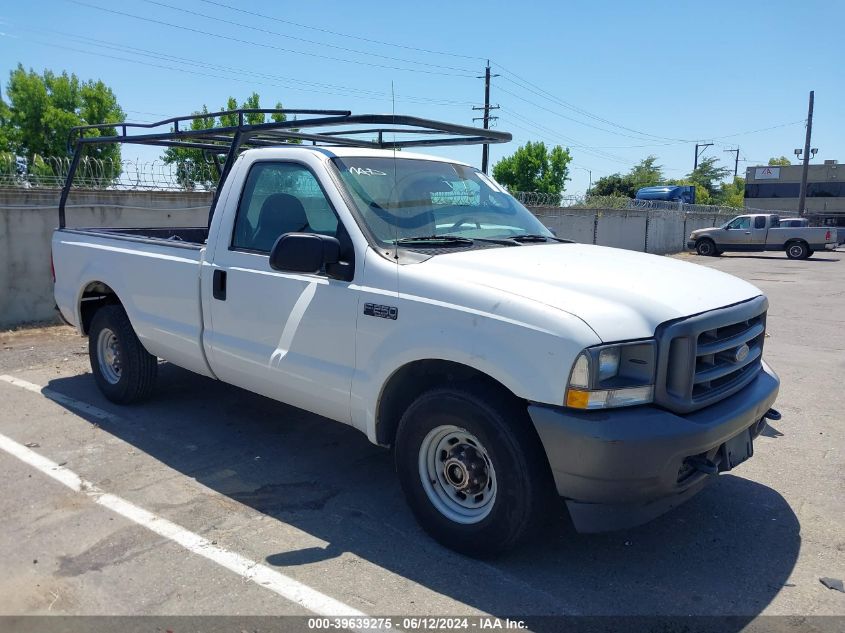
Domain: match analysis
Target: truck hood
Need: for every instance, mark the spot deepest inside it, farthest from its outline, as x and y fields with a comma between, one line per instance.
x=704, y=231
x=620, y=294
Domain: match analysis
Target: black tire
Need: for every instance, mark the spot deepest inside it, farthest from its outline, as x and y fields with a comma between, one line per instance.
x=707, y=248
x=131, y=377
x=523, y=484
x=810, y=253
x=797, y=250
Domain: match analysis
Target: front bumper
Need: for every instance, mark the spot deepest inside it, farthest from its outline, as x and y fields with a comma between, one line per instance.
x=621, y=467
x=690, y=243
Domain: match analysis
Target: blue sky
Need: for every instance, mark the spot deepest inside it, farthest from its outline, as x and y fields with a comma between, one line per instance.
x=614, y=81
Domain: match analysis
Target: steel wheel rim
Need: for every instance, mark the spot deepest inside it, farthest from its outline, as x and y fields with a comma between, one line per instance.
x=704, y=248
x=108, y=356
x=795, y=250
x=457, y=474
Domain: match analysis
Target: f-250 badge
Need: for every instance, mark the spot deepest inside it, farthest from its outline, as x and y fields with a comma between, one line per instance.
x=383, y=312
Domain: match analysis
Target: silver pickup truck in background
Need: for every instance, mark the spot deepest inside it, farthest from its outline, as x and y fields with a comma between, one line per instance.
x=761, y=232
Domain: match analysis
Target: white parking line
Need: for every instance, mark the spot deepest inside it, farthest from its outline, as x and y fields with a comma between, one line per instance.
x=246, y=568
x=55, y=396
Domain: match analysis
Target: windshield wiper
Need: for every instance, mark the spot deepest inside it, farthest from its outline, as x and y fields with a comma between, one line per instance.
x=434, y=239
x=530, y=237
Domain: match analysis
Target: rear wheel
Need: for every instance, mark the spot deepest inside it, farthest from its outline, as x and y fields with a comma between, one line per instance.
x=797, y=250
x=125, y=372
x=472, y=469
x=706, y=248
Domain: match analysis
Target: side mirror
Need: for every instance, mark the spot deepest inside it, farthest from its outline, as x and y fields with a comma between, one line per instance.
x=304, y=252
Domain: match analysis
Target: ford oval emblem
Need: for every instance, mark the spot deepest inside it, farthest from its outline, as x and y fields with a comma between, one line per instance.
x=741, y=353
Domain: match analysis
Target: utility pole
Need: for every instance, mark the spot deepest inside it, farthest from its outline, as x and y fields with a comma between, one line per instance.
x=703, y=146
x=589, y=174
x=802, y=201
x=485, y=148
x=736, y=161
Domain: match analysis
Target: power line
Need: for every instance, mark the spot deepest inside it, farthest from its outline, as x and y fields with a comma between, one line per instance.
x=675, y=141
x=568, y=139
x=301, y=39
x=196, y=72
x=539, y=91
x=762, y=129
x=555, y=136
x=259, y=44
x=563, y=116
x=90, y=41
x=340, y=34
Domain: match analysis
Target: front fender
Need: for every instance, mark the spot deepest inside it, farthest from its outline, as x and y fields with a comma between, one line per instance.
x=532, y=361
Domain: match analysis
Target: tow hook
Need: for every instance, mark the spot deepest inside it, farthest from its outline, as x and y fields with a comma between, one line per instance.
x=704, y=465
x=772, y=414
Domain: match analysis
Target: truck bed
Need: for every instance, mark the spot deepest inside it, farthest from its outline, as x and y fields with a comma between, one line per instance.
x=186, y=237
x=154, y=272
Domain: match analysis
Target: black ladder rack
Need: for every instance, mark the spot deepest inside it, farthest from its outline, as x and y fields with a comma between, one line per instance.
x=321, y=127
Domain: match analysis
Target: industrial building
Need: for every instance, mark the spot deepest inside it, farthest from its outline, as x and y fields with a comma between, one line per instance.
x=778, y=188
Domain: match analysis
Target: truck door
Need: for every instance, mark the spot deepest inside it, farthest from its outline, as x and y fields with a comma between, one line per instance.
x=737, y=233
x=289, y=336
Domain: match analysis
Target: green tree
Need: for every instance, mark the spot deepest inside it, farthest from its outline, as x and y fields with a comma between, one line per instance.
x=782, y=161
x=646, y=173
x=533, y=167
x=613, y=185
x=193, y=167
x=5, y=126
x=42, y=108
x=707, y=176
x=732, y=194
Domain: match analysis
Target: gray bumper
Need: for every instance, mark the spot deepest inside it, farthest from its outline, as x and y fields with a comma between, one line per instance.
x=690, y=243
x=620, y=467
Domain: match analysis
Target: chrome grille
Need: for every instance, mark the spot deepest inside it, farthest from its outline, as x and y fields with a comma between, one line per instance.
x=708, y=357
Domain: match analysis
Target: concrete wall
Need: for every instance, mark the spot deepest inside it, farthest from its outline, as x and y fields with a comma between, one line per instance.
x=654, y=231
x=29, y=216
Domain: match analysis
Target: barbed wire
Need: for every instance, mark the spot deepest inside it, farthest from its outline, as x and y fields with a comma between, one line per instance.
x=94, y=173
x=187, y=175
x=539, y=199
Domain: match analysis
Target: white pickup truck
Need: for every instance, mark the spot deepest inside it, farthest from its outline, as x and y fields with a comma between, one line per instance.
x=414, y=299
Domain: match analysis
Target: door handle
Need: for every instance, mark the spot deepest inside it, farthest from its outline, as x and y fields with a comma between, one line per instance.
x=748, y=232
x=218, y=285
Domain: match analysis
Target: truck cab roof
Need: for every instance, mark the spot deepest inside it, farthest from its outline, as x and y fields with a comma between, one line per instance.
x=345, y=152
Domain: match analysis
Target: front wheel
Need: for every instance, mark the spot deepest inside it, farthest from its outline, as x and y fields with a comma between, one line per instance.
x=125, y=372
x=706, y=248
x=472, y=469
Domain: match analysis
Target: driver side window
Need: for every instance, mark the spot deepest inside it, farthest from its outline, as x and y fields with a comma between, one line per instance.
x=740, y=223
x=280, y=198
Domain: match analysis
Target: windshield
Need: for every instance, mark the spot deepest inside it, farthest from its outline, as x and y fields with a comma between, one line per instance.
x=409, y=198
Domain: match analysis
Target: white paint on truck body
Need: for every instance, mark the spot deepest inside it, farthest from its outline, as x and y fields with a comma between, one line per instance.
x=518, y=314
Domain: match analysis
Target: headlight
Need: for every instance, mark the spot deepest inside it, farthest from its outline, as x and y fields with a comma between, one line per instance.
x=609, y=376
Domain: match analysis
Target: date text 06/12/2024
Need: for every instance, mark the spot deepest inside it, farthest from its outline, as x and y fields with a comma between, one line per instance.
x=415, y=623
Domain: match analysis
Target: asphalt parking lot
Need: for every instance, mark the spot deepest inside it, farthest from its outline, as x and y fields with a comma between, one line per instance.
x=313, y=503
